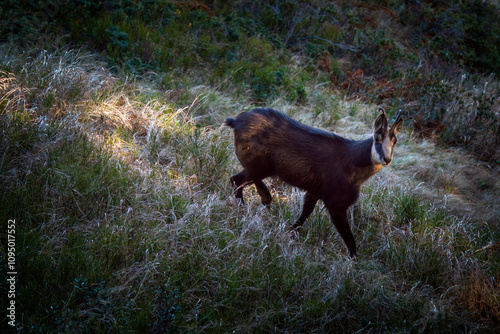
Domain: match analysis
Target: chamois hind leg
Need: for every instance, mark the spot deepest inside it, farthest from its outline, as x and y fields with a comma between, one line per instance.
x=309, y=203
x=263, y=191
x=239, y=181
x=339, y=219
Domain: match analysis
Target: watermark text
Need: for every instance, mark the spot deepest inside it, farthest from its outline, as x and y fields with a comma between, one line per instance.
x=11, y=272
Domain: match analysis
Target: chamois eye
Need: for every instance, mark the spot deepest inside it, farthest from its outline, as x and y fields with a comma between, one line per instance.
x=378, y=139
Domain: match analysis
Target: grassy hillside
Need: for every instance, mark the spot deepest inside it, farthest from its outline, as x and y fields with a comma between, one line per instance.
x=115, y=167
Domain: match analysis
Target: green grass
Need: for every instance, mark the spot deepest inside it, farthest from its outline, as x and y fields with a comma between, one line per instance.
x=125, y=216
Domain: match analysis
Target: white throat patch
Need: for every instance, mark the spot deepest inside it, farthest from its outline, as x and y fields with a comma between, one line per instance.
x=375, y=156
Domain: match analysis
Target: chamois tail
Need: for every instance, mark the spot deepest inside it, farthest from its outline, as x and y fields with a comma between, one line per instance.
x=230, y=122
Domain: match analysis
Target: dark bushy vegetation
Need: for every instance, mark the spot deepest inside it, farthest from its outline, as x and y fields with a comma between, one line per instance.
x=151, y=33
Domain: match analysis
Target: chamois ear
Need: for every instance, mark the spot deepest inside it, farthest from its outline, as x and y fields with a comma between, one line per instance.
x=398, y=124
x=380, y=122
x=396, y=127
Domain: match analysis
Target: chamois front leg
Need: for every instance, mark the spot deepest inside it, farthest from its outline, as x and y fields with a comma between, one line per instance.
x=339, y=219
x=309, y=203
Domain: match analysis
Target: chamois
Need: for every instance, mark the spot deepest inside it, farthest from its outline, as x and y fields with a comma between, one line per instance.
x=327, y=166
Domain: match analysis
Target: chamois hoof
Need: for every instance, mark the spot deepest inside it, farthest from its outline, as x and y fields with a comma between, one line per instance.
x=295, y=230
x=266, y=202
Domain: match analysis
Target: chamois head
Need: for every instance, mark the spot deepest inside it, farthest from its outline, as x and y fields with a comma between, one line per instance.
x=384, y=139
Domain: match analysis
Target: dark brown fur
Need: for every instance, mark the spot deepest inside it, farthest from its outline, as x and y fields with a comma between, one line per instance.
x=328, y=167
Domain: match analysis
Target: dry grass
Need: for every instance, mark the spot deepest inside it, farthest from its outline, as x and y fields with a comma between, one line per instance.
x=160, y=243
